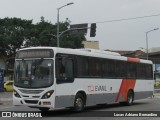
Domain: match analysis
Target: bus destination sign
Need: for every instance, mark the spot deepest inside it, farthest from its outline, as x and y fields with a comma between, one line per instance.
x=45, y=53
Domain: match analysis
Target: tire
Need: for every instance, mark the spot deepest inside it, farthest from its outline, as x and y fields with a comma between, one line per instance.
x=79, y=103
x=130, y=98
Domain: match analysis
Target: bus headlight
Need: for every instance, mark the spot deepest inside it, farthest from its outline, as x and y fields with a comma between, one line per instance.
x=47, y=94
x=16, y=94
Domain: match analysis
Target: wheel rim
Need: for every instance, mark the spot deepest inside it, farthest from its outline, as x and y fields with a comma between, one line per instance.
x=130, y=98
x=79, y=104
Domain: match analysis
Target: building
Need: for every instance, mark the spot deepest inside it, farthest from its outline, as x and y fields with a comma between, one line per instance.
x=91, y=44
x=154, y=55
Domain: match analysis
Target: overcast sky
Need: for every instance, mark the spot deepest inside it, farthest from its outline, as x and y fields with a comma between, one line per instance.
x=123, y=35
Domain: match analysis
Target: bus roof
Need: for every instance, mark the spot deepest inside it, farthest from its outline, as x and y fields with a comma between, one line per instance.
x=92, y=53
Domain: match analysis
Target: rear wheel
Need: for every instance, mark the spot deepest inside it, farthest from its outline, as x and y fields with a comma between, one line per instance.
x=130, y=98
x=79, y=103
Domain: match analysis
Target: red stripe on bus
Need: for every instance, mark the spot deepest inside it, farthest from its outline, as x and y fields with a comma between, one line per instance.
x=120, y=89
x=126, y=85
x=133, y=59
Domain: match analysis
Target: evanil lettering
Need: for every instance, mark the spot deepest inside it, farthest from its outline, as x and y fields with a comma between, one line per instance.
x=100, y=88
x=96, y=88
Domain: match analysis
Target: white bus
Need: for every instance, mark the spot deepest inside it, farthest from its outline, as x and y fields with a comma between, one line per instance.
x=50, y=78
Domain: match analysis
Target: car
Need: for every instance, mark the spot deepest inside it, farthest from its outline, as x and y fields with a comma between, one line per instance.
x=8, y=86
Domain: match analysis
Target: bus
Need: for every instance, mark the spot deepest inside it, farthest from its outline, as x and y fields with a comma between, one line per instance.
x=52, y=78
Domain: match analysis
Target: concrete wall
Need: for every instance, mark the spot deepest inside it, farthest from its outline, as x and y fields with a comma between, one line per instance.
x=154, y=49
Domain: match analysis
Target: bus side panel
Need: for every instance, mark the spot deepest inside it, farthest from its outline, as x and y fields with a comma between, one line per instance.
x=97, y=92
x=64, y=101
x=104, y=98
x=142, y=95
x=64, y=95
x=143, y=89
x=100, y=91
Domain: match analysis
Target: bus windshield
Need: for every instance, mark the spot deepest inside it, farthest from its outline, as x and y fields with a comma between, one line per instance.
x=37, y=73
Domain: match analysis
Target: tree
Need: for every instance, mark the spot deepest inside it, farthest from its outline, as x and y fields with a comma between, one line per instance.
x=72, y=41
x=16, y=33
x=40, y=34
x=12, y=35
x=44, y=34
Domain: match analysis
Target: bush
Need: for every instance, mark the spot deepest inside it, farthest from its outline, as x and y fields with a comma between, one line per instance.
x=157, y=84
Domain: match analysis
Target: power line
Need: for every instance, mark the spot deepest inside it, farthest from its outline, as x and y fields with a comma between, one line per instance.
x=125, y=19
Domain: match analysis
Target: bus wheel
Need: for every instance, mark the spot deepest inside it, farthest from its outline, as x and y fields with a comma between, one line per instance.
x=79, y=103
x=43, y=109
x=130, y=98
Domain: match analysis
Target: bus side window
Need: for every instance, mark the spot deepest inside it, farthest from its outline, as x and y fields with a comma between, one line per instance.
x=64, y=70
x=69, y=69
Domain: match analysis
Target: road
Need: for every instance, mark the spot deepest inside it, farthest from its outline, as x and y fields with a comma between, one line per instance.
x=94, y=112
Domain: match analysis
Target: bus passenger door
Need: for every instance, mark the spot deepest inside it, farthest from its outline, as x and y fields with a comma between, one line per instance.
x=64, y=80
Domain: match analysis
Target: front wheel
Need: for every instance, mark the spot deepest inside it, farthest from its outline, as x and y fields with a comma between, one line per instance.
x=79, y=103
x=130, y=98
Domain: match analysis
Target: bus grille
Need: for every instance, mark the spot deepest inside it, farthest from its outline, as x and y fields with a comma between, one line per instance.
x=31, y=101
x=30, y=91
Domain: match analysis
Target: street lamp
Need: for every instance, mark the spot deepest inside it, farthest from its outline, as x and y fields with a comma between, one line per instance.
x=147, y=39
x=58, y=21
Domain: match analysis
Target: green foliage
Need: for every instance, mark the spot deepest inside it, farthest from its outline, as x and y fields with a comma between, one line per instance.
x=72, y=41
x=157, y=84
x=16, y=33
x=12, y=34
x=39, y=34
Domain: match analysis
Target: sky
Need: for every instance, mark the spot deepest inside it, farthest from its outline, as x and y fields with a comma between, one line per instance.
x=119, y=35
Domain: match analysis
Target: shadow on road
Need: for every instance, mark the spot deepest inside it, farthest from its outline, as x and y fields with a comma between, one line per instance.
x=94, y=111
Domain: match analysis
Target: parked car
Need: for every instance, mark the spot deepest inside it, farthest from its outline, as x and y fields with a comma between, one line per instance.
x=8, y=86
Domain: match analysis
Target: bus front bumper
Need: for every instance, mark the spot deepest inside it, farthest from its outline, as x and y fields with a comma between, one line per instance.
x=48, y=103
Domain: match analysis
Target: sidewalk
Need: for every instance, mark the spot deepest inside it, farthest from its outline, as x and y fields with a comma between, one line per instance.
x=6, y=98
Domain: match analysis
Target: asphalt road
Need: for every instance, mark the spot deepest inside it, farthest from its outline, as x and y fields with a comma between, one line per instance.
x=94, y=112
